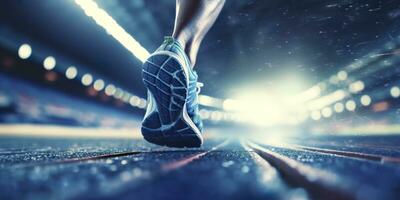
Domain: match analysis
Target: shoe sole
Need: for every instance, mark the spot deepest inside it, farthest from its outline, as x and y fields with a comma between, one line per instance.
x=168, y=123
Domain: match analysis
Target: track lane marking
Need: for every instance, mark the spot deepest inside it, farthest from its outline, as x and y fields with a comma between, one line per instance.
x=172, y=165
x=360, y=145
x=347, y=154
x=77, y=160
x=117, y=188
x=319, y=183
x=99, y=157
x=87, y=158
x=352, y=154
x=270, y=175
x=182, y=162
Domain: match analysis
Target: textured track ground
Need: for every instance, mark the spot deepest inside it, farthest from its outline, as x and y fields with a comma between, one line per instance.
x=167, y=83
x=321, y=168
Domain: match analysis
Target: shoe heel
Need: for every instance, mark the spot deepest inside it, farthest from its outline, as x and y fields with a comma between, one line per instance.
x=165, y=79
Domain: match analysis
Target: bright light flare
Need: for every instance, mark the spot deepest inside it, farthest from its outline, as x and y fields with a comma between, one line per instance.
x=103, y=19
x=327, y=100
x=262, y=109
x=315, y=115
x=310, y=94
x=210, y=101
x=267, y=106
x=231, y=104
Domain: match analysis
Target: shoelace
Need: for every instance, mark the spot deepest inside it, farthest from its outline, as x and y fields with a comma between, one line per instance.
x=198, y=87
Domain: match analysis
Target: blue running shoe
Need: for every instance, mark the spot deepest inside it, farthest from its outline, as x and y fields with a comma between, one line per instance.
x=172, y=117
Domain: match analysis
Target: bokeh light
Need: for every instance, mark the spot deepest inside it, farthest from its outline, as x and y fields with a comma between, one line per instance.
x=24, y=51
x=49, y=63
x=71, y=72
x=87, y=79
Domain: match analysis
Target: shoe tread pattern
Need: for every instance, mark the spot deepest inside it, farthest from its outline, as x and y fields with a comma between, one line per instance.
x=165, y=79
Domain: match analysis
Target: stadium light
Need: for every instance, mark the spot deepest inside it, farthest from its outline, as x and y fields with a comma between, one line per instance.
x=71, y=72
x=126, y=97
x=395, y=92
x=134, y=101
x=142, y=103
x=326, y=112
x=87, y=79
x=110, y=90
x=119, y=93
x=24, y=51
x=49, y=63
x=365, y=100
x=98, y=84
x=350, y=105
x=103, y=19
x=338, y=107
x=356, y=87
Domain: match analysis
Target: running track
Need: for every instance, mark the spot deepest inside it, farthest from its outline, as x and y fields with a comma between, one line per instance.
x=224, y=168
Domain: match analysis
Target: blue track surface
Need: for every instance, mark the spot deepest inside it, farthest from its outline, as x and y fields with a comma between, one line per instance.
x=55, y=168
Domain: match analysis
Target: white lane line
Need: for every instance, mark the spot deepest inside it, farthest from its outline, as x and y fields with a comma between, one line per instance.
x=317, y=182
x=340, y=153
x=182, y=162
x=352, y=154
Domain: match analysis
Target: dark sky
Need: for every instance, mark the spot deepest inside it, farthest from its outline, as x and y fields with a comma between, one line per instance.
x=265, y=43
